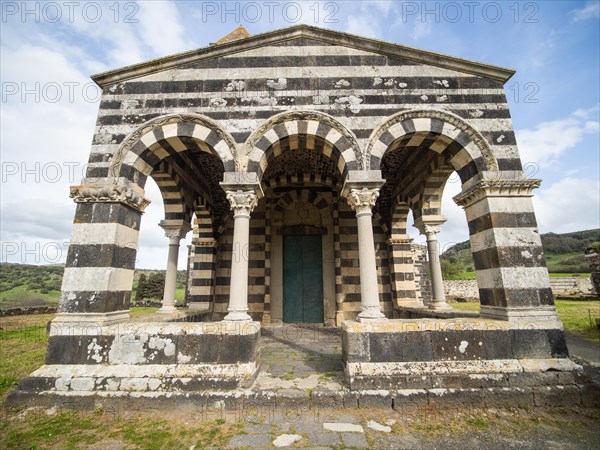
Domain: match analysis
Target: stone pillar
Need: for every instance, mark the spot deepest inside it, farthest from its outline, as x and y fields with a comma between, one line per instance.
x=175, y=233
x=402, y=272
x=98, y=276
x=507, y=250
x=362, y=201
x=438, y=298
x=242, y=204
x=203, y=273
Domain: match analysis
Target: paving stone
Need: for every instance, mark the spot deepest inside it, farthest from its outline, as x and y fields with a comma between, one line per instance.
x=309, y=427
x=343, y=427
x=354, y=440
x=324, y=438
x=285, y=440
x=378, y=427
x=249, y=440
x=258, y=428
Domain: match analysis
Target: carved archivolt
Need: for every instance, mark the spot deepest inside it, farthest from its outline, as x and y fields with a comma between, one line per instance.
x=298, y=115
x=444, y=116
x=109, y=194
x=158, y=122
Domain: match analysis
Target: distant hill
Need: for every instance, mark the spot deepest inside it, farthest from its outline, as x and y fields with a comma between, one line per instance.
x=564, y=254
x=29, y=285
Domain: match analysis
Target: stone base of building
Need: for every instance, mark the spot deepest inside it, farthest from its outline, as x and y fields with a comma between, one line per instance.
x=456, y=353
x=146, y=357
x=251, y=405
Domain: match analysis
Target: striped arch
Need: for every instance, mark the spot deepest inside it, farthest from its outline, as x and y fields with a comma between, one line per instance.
x=179, y=205
x=302, y=195
x=466, y=149
x=293, y=129
x=168, y=135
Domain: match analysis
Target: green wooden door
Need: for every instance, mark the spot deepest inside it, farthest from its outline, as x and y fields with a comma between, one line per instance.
x=302, y=279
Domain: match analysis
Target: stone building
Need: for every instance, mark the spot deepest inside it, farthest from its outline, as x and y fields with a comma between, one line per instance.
x=296, y=157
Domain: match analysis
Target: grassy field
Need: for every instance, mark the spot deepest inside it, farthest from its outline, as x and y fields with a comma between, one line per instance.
x=577, y=316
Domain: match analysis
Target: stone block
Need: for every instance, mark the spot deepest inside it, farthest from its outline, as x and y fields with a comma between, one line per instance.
x=590, y=395
x=355, y=346
x=461, y=345
x=556, y=395
x=455, y=398
x=508, y=396
x=528, y=344
x=497, y=344
x=374, y=399
x=408, y=401
x=416, y=346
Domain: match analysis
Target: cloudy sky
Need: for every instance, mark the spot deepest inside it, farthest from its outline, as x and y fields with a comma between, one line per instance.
x=49, y=104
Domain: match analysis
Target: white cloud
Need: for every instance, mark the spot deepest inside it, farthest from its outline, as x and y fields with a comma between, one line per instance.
x=548, y=141
x=590, y=11
x=364, y=25
x=570, y=204
x=161, y=28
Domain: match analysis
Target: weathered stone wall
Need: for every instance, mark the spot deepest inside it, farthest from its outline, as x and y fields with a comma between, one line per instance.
x=571, y=286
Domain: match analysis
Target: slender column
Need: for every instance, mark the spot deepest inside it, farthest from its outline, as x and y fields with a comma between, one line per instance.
x=362, y=201
x=438, y=300
x=175, y=235
x=242, y=204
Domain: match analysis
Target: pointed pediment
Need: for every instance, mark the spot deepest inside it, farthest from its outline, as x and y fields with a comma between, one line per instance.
x=304, y=32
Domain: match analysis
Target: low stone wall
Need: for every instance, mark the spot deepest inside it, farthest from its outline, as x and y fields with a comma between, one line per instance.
x=28, y=310
x=568, y=286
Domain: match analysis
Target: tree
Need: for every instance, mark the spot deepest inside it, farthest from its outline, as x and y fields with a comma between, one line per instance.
x=155, y=286
x=140, y=293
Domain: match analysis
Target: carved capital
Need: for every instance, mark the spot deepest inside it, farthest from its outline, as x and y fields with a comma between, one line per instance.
x=363, y=200
x=112, y=193
x=432, y=228
x=242, y=202
x=497, y=188
x=175, y=232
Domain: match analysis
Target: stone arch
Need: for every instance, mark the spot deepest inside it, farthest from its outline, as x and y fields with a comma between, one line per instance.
x=321, y=131
x=159, y=137
x=467, y=148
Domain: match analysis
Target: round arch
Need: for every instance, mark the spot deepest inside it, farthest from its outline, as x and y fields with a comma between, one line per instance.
x=338, y=143
x=146, y=146
x=464, y=144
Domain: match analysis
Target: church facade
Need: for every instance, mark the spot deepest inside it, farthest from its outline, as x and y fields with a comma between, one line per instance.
x=295, y=158
x=297, y=119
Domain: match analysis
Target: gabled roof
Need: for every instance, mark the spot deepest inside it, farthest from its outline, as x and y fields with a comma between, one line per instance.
x=307, y=32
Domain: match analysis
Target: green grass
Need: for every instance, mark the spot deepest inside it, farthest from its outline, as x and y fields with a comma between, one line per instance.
x=577, y=316
x=23, y=342
x=21, y=296
x=136, y=311
x=76, y=429
x=567, y=275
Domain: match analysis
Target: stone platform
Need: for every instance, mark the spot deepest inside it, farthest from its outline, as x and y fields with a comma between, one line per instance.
x=301, y=369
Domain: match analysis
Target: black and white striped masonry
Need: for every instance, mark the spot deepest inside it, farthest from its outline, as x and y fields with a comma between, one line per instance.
x=268, y=136
x=305, y=107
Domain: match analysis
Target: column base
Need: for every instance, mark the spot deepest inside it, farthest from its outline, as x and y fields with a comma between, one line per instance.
x=371, y=314
x=521, y=314
x=167, y=309
x=439, y=305
x=237, y=316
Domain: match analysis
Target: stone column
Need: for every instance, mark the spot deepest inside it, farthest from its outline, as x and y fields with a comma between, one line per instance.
x=96, y=285
x=507, y=250
x=438, y=300
x=362, y=201
x=402, y=272
x=242, y=204
x=175, y=234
